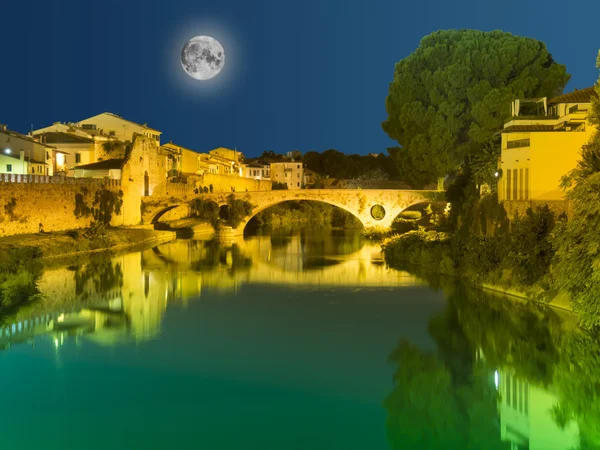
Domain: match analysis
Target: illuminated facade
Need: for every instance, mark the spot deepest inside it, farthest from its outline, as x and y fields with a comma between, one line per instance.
x=541, y=144
x=116, y=126
x=21, y=154
x=289, y=172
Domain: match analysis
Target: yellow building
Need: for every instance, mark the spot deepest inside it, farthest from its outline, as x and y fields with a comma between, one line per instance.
x=289, y=172
x=184, y=160
x=116, y=126
x=542, y=143
x=21, y=154
x=228, y=153
x=526, y=419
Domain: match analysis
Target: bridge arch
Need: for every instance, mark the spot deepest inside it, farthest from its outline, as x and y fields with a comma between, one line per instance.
x=257, y=210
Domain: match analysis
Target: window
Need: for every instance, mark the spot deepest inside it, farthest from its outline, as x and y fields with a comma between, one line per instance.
x=32, y=169
x=298, y=184
x=508, y=185
x=298, y=166
x=517, y=144
x=77, y=157
x=515, y=184
x=526, y=184
x=88, y=126
x=9, y=167
x=111, y=133
x=520, y=184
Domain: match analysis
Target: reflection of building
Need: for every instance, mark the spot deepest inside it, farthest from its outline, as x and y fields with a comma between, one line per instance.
x=526, y=418
x=541, y=143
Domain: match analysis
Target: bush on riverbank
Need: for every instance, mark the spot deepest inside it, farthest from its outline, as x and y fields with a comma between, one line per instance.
x=20, y=269
x=482, y=250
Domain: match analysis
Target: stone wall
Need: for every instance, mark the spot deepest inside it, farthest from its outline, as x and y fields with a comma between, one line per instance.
x=227, y=183
x=26, y=206
x=519, y=208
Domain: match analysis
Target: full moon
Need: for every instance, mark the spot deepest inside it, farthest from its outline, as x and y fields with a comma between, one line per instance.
x=202, y=57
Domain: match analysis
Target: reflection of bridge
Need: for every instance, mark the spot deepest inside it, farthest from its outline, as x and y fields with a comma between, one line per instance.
x=132, y=309
x=358, y=202
x=285, y=265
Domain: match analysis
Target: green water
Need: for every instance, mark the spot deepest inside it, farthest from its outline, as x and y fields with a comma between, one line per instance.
x=295, y=341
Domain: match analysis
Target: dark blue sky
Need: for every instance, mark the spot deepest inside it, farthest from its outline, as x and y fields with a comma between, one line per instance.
x=306, y=75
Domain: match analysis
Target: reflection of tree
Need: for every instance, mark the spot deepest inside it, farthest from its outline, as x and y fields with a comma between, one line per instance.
x=430, y=409
x=525, y=339
x=103, y=273
x=219, y=255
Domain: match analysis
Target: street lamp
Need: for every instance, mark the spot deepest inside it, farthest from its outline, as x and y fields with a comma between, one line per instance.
x=7, y=151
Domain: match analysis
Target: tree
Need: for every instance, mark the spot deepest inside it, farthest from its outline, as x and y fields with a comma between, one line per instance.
x=577, y=264
x=452, y=94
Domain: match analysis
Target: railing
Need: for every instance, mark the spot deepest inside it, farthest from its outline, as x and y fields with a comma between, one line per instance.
x=47, y=179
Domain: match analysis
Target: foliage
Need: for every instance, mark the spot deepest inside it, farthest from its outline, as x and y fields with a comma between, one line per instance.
x=20, y=269
x=316, y=214
x=335, y=164
x=431, y=409
x=100, y=274
x=237, y=210
x=117, y=149
x=207, y=210
x=279, y=186
x=97, y=236
x=577, y=244
x=449, y=97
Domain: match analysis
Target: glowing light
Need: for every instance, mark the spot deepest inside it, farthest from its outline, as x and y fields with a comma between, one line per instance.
x=60, y=159
x=496, y=379
x=7, y=151
x=496, y=174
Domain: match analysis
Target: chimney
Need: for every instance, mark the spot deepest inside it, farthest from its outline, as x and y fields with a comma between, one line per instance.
x=22, y=155
x=2, y=127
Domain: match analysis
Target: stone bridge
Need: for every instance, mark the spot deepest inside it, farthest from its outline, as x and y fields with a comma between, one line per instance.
x=373, y=207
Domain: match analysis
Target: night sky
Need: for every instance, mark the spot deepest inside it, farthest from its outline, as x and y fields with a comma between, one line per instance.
x=306, y=75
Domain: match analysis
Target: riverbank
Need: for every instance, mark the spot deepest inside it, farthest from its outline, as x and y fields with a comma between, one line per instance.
x=437, y=253
x=75, y=242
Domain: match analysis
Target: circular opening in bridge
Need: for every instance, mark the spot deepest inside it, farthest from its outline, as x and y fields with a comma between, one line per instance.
x=377, y=212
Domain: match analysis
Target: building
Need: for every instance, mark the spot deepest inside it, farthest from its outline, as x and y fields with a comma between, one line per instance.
x=526, y=419
x=257, y=170
x=110, y=168
x=289, y=172
x=541, y=143
x=216, y=164
x=184, y=160
x=227, y=153
x=22, y=154
x=116, y=126
x=80, y=146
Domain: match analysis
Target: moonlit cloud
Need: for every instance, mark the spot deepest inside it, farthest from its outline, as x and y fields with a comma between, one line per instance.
x=229, y=77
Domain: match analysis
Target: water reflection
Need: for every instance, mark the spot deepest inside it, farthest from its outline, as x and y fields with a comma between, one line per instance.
x=499, y=374
x=118, y=299
x=505, y=375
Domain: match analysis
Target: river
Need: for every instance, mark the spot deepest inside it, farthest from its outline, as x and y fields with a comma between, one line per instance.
x=299, y=340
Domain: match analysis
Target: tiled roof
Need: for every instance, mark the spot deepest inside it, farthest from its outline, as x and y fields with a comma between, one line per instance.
x=103, y=165
x=581, y=96
x=57, y=137
x=525, y=128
